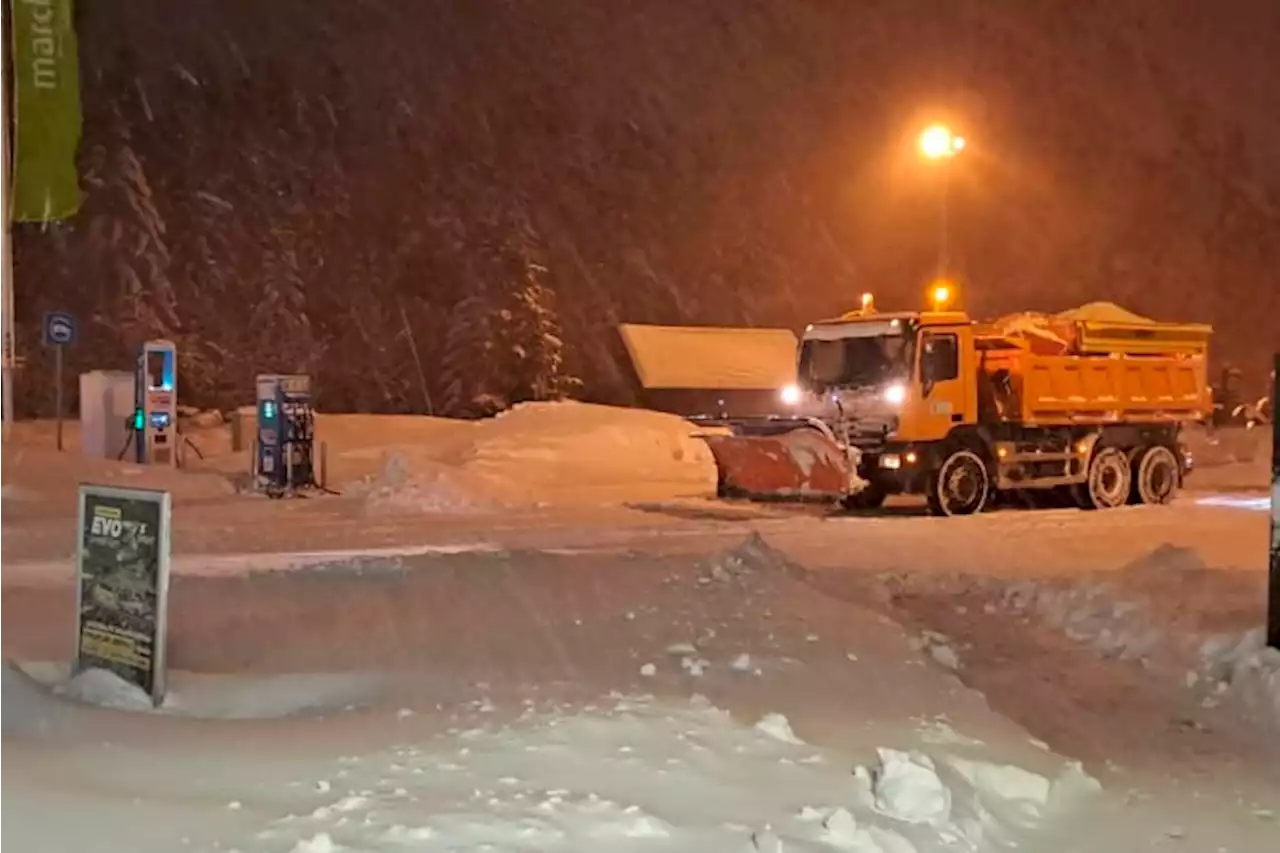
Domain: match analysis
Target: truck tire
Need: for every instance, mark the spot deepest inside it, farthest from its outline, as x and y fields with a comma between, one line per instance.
x=960, y=486
x=1156, y=475
x=1109, y=481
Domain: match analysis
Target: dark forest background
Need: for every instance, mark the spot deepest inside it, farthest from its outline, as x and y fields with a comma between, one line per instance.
x=445, y=206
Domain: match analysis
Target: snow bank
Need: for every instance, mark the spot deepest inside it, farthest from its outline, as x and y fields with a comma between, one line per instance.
x=544, y=454
x=1242, y=670
x=1235, y=669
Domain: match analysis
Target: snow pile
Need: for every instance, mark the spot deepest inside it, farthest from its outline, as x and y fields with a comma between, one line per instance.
x=647, y=775
x=574, y=452
x=752, y=555
x=1103, y=312
x=1091, y=613
x=1234, y=669
x=541, y=454
x=1245, y=672
x=105, y=688
x=428, y=487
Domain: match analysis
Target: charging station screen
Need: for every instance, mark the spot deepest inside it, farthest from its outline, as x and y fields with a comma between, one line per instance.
x=156, y=378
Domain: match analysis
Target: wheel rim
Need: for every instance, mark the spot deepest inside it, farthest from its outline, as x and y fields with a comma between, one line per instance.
x=962, y=486
x=1108, y=485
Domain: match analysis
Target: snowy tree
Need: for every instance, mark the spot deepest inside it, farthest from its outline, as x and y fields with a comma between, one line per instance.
x=534, y=339
x=467, y=365
x=127, y=242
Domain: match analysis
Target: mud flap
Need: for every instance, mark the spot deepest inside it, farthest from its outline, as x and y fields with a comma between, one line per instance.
x=795, y=465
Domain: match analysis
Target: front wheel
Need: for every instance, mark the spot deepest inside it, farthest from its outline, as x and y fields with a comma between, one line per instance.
x=961, y=486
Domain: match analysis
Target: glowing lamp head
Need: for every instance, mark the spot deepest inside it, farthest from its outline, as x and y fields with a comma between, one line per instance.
x=868, y=302
x=790, y=394
x=937, y=142
x=895, y=395
x=942, y=294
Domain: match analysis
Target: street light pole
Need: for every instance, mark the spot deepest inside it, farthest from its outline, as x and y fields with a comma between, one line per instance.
x=944, y=179
x=940, y=145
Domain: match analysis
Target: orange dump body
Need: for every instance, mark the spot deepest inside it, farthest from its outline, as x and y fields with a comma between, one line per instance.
x=1017, y=384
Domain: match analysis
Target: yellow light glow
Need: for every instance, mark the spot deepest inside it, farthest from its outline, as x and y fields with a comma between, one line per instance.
x=937, y=141
x=942, y=294
x=867, y=301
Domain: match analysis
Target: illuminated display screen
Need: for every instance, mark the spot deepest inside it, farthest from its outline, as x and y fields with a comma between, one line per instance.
x=159, y=375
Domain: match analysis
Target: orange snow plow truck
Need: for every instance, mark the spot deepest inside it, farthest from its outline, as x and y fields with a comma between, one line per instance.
x=1083, y=407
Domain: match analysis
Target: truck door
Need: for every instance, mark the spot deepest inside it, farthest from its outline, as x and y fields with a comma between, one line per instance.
x=946, y=381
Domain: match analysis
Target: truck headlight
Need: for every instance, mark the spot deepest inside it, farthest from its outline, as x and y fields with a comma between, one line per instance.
x=895, y=394
x=790, y=394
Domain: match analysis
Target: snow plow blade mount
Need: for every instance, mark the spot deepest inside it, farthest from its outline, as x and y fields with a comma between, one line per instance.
x=797, y=465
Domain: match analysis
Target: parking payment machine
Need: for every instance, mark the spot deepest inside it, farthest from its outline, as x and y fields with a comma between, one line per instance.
x=285, y=458
x=155, y=419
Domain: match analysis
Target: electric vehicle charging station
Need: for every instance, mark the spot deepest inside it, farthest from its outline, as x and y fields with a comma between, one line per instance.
x=155, y=417
x=284, y=458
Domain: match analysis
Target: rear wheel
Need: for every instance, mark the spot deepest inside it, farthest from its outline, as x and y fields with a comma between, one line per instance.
x=961, y=486
x=1156, y=476
x=1108, y=483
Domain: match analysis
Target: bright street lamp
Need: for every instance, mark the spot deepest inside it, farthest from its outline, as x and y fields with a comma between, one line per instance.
x=937, y=142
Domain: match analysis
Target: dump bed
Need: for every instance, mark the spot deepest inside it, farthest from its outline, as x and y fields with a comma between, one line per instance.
x=1017, y=384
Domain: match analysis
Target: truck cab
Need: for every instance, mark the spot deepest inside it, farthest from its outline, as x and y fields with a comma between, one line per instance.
x=903, y=377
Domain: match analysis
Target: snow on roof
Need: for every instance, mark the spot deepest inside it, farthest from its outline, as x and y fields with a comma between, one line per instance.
x=711, y=357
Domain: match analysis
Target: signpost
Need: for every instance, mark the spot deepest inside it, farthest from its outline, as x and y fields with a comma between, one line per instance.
x=122, y=584
x=1273, y=576
x=59, y=332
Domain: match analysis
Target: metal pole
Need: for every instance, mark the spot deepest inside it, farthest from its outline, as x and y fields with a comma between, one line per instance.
x=1273, y=576
x=6, y=268
x=57, y=391
x=943, y=248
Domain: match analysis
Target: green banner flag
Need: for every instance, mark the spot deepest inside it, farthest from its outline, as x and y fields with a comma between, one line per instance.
x=46, y=111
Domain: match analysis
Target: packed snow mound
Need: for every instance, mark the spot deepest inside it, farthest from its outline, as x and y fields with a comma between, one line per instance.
x=1057, y=334
x=1103, y=312
x=427, y=486
x=547, y=454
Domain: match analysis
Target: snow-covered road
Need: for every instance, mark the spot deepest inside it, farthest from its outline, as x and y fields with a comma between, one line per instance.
x=391, y=670
x=1224, y=529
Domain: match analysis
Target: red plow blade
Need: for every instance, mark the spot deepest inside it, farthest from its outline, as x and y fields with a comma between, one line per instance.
x=799, y=464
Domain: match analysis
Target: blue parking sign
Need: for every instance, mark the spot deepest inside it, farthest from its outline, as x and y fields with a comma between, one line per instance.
x=59, y=329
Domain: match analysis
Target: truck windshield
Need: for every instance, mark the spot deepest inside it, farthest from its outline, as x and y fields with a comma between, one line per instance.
x=854, y=362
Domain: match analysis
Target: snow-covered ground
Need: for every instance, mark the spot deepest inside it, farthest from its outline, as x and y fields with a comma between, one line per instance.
x=539, y=633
